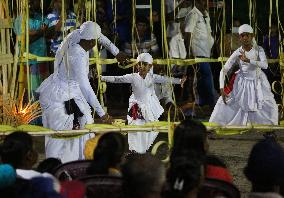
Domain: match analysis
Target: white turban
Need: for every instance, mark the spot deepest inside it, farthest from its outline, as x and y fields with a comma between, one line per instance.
x=245, y=28
x=88, y=31
x=145, y=57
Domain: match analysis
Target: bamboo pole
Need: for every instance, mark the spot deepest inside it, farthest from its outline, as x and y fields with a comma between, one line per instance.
x=21, y=77
x=163, y=129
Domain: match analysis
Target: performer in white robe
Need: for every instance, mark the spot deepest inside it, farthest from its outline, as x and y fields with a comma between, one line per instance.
x=70, y=81
x=251, y=100
x=144, y=106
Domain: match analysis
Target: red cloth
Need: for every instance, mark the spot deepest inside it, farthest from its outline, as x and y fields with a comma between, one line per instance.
x=73, y=189
x=229, y=87
x=135, y=112
x=220, y=173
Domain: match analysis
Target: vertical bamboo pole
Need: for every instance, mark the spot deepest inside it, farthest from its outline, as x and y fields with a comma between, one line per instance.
x=21, y=77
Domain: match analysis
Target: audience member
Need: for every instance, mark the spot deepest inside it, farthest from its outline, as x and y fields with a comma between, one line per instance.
x=118, y=15
x=55, y=20
x=264, y=168
x=189, y=136
x=185, y=177
x=144, y=40
x=37, y=46
x=7, y=176
x=231, y=40
x=108, y=154
x=48, y=165
x=271, y=48
x=198, y=42
x=218, y=180
x=18, y=151
x=144, y=176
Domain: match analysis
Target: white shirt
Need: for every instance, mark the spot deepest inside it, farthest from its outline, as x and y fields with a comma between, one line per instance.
x=200, y=29
x=257, y=60
x=173, y=27
x=143, y=92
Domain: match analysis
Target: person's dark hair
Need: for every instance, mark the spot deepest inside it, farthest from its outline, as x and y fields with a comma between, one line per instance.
x=265, y=166
x=142, y=19
x=15, y=148
x=184, y=175
x=48, y=165
x=189, y=136
x=108, y=153
x=143, y=175
x=214, y=160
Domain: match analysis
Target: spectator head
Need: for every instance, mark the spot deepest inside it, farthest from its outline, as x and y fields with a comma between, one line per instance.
x=201, y=4
x=218, y=180
x=236, y=25
x=56, y=5
x=17, y=150
x=274, y=28
x=7, y=175
x=265, y=166
x=189, y=136
x=144, y=176
x=217, y=169
x=185, y=176
x=48, y=165
x=108, y=153
x=142, y=26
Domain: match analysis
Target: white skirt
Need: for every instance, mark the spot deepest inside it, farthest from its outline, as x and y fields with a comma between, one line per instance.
x=250, y=102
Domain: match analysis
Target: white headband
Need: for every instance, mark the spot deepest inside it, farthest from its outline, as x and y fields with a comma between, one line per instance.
x=145, y=57
x=245, y=28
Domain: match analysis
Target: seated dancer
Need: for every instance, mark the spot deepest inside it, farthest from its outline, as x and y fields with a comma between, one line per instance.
x=250, y=101
x=66, y=95
x=144, y=106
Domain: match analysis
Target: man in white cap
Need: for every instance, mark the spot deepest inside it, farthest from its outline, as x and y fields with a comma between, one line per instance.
x=66, y=95
x=251, y=100
x=144, y=105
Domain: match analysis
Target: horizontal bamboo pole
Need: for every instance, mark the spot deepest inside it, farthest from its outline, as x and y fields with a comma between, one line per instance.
x=163, y=129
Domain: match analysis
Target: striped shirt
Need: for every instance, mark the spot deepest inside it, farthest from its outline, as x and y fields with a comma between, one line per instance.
x=70, y=23
x=145, y=45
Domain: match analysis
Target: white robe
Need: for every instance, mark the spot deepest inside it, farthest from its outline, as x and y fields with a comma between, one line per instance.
x=69, y=81
x=144, y=96
x=251, y=100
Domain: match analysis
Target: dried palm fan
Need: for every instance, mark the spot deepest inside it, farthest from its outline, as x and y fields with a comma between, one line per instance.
x=16, y=113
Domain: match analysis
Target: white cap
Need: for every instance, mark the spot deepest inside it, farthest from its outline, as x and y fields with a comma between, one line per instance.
x=145, y=57
x=90, y=30
x=245, y=28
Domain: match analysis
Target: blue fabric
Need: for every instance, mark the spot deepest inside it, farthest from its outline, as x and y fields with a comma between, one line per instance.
x=7, y=175
x=37, y=47
x=53, y=20
x=205, y=86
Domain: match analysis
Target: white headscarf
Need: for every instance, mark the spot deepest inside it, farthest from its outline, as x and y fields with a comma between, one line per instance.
x=145, y=57
x=248, y=29
x=88, y=31
x=245, y=28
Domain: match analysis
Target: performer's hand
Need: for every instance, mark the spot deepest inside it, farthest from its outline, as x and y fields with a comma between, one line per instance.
x=182, y=81
x=243, y=56
x=224, y=95
x=107, y=119
x=122, y=58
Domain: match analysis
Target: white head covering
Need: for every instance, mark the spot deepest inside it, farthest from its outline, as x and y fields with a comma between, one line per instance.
x=245, y=28
x=88, y=31
x=145, y=57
